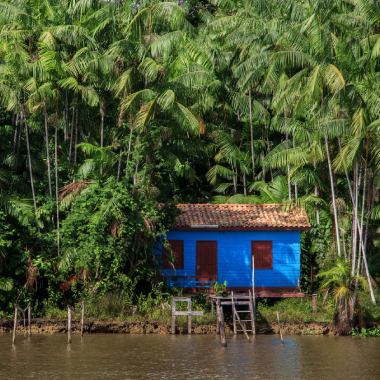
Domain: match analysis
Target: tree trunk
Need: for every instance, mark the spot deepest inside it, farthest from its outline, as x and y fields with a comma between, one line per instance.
x=66, y=134
x=251, y=130
x=129, y=147
x=333, y=196
x=56, y=173
x=244, y=185
x=30, y=165
x=71, y=133
x=20, y=133
x=15, y=134
x=76, y=132
x=316, y=195
x=288, y=167
x=102, y=114
x=119, y=165
x=295, y=185
x=234, y=179
x=47, y=150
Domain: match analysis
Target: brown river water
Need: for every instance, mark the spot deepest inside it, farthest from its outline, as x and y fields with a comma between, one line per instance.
x=119, y=356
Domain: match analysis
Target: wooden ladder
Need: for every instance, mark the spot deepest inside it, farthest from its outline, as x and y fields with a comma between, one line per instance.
x=236, y=311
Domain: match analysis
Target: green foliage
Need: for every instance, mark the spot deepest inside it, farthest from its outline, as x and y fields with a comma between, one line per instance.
x=219, y=289
x=371, y=332
x=110, y=109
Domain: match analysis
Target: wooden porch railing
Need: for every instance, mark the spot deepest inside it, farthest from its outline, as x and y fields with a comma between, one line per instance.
x=191, y=281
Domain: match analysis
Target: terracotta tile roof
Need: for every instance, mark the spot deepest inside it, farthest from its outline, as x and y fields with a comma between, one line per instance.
x=240, y=216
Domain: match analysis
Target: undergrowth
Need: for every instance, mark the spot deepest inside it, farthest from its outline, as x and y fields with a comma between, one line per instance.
x=156, y=306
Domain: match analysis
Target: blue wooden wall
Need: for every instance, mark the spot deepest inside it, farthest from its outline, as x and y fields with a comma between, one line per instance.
x=234, y=256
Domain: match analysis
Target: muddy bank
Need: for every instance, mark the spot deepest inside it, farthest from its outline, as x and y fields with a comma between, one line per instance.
x=151, y=327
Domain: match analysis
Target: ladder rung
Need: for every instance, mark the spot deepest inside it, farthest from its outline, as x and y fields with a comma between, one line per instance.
x=243, y=311
x=245, y=320
x=243, y=330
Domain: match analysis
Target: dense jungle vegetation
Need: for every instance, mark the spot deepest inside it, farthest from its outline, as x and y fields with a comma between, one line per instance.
x=110, y=108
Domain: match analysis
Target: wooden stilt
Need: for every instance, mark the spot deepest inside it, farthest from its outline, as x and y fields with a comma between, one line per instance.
x=217, y=318
x=23, y=314
x=29, y=319
x=314, y=298
x=173, y=317
x=69, y=324
x=14, y=326
x=189, y=318
x=82, y=320
x=233, y=313
x=252, y=313
x=279, y=327
x=221, y=324
x=253, y=317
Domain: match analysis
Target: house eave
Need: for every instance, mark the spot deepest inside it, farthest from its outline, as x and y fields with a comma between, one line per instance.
x=188, y=228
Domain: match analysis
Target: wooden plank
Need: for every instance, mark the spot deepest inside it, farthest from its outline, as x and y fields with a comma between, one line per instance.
x=180, y=299
x=191, y=313
x=280, y=295
x=241, y=303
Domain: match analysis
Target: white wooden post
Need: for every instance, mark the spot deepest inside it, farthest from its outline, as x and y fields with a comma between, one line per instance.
x=68, y=324
x=253, y=296
x=15, y=326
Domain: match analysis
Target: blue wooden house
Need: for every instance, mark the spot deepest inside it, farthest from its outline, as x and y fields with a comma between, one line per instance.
x=223, y=242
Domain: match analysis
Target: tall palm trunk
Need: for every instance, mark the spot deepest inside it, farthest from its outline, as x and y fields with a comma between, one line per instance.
x=71, y=133
x=47, y=150
x=295, y=185
x=30, y=165
x=15, y=134
x=66, y=134
x=251, y=130
x=287, y=158
x=316, y=195
x=76, y=131
x=129, y=144
x=288, y=167
x=119, y=165
x=56, y=174
x=20, y=132
x=333, y=196
x=102, y=114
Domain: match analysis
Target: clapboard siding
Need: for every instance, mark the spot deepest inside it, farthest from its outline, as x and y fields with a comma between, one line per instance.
x=234, y=256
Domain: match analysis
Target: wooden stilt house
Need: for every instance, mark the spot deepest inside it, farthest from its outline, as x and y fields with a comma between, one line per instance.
x=223, y=242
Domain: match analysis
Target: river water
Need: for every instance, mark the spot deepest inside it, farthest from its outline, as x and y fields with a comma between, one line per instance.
x=114, y=356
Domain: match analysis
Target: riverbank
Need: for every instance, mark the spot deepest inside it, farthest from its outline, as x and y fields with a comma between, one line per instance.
x=53, y=326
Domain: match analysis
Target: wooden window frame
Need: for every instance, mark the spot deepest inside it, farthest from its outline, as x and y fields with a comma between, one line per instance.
x=271, y=249
x=179, y=264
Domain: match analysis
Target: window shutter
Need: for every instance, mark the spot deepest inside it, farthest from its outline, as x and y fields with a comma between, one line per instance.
x=263, y=254
x=177, y=248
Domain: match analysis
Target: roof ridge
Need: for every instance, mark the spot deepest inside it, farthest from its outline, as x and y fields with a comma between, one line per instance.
x=240, y=215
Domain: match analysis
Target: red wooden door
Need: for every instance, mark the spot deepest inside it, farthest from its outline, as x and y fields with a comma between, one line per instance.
x=207, y=261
